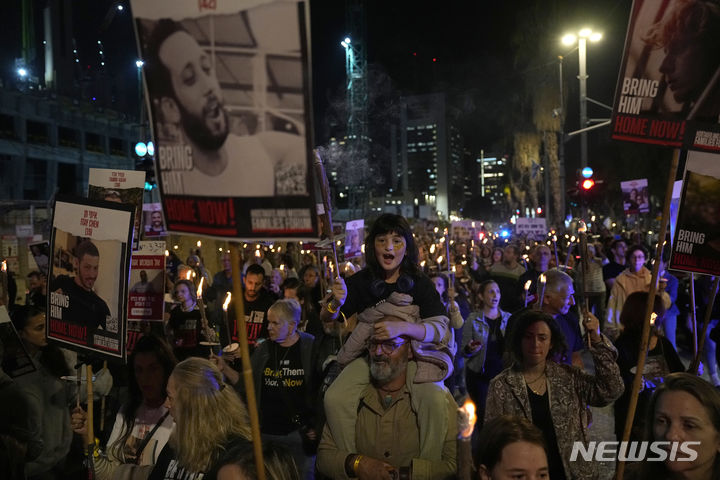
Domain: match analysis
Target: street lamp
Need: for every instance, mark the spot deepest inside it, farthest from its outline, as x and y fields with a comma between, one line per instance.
x=581, y=38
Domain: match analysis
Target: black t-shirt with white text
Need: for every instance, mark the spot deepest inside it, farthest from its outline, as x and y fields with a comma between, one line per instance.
x=283, y=390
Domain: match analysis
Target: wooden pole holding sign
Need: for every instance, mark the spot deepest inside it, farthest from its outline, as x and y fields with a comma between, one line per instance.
x=644, y=338
x=695, y=365
x=90, y=438
x=327, y=206
x=245, y=359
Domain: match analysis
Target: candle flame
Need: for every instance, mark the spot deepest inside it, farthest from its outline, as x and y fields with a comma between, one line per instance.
x=167, y=253
x=453, y=269
x=422, y=264
x=653, y=317
x=362, y=248
x=282, y=267
x=442, y=239
x=439, y=259
x=257, y=253
x=200, y=287
x=542, y=278
x=188, y=275
x=582, y=228
x=572, y=239
x=527, y=285
x=436, y=229
x=554, y=238
x=432, y=248
x=4, y=266
x=468, y=409
x=199, y=243
x=227, y=301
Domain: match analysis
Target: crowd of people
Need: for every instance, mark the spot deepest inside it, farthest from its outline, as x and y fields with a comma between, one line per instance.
x=361, y=374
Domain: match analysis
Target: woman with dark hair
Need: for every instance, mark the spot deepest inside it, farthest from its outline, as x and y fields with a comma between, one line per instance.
x=143, y=424
x=555, y=397
x=483, y=344
x=49, y=397
x=391, y=256
x=662, y=359
x=685, y=408
x=511, y=447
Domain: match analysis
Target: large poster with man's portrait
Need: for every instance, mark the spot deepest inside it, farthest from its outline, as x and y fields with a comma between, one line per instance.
x=88, y=285
x=228, y=90
x=668, y=91
x=696, y=244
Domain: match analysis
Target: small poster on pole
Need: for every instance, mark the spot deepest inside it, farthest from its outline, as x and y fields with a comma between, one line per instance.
x=147, y=282
x=121, y=186
x=696, y=247
x=354, y=238
x=87, y=296
x=153, y=222
x=636, y=197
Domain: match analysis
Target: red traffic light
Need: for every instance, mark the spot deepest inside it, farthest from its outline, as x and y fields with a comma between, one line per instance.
x=588, y=183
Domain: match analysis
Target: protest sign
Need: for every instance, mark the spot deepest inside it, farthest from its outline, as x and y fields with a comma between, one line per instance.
x=87, y=292
x=696, y=247
x=153, y=223
x=354, y=238
x=635, y=195
x=532, y=227
x=122, y=186
x=147, y=282
x=668, y=91
x=464, y=230
x=233, y=147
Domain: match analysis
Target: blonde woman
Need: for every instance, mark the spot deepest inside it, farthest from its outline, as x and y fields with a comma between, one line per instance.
x=210, y=419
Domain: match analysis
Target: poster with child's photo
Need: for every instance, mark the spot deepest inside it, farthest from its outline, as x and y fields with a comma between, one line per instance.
x=88, y=283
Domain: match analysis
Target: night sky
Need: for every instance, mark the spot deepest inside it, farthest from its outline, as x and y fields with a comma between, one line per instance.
x=483, y=51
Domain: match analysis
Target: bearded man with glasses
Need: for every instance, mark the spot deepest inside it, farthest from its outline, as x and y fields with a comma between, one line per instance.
x=387, y=429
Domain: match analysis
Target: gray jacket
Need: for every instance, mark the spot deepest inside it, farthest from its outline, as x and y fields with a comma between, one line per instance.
x=477, y=328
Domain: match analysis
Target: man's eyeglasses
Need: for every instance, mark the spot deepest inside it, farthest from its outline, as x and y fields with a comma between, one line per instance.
x=387, y=346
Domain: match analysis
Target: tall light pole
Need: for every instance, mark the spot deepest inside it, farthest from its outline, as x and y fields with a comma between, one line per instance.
x=581, y=38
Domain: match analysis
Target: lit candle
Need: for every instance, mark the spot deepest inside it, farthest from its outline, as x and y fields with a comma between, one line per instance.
x=527, y=288
x=4, y=279
x=229, y=346
x=201, y=305
x=541, y=292
x=439, y=262
x=469, y=416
